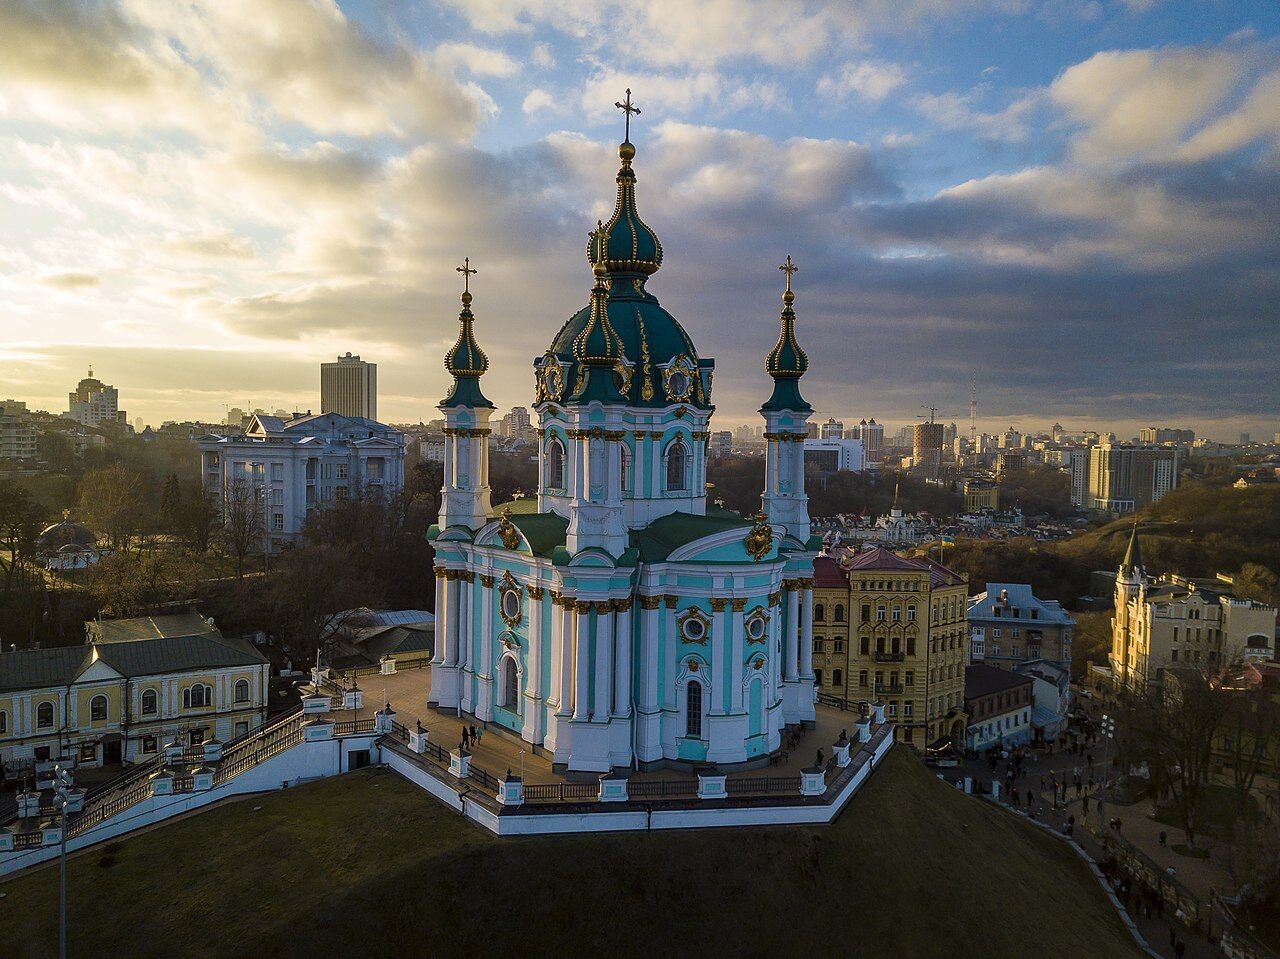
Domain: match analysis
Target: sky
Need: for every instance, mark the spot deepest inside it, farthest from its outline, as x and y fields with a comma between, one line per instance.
x=1071, y=203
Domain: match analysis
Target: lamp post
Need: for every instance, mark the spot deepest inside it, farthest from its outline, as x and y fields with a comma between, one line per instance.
x=62, y=790
x=1108, y=728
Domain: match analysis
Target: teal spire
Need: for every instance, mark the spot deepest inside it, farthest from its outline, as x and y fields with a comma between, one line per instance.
x=787, y=362
x=597, y=348
x=465, y=361
x=626, y=244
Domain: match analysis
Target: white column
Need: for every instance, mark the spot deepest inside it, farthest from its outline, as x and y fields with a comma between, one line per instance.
x=668, y=640
x=718, y=639
x=437, y=656
x=602, y=705
x=484, y=663
x=582, y=661
x=559, y=641
x=737, y=652
x=622, y=662
x=568, y=656
x=790, y=632
x=776, y=650
x=531, y=727
x=464, y=624
x=452, y=612
x=649, y=657
x=806, y=633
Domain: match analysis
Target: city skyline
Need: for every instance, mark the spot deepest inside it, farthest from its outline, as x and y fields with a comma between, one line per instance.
x=208, y=214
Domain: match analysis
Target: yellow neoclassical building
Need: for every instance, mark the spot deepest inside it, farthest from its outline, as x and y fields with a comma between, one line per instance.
x=136, y=684
x=893, y=629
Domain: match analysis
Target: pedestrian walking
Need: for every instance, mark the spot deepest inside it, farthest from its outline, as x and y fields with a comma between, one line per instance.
x=480, y=734
x=1085, y=801
x=1164, y=838
x=473, y=735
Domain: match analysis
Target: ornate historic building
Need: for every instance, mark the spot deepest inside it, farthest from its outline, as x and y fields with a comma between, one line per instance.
x=617, y=618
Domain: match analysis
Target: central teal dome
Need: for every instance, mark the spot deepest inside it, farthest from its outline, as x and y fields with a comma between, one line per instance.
x=654, y=360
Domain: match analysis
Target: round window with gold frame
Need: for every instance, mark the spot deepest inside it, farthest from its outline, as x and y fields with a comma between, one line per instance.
x=677, y=379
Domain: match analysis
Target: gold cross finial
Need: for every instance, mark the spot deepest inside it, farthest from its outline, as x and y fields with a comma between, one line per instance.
x=788, y=268
x=467, y=272
x=628, y=109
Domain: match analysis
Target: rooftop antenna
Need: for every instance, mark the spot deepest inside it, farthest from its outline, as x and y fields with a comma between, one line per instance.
x=973, y=410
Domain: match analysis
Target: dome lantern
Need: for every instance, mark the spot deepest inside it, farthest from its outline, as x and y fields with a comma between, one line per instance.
x=465, y=361
x=787, y=361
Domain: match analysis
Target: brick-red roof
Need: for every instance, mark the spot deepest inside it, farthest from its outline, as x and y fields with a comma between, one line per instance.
x=826, y=572
x=880, y=559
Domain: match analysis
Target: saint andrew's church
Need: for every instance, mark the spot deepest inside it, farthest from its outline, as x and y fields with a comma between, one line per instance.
x=617, y=619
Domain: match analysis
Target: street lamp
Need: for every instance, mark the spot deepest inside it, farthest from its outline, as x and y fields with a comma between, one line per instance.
x=1108, y=728
x=67, y=797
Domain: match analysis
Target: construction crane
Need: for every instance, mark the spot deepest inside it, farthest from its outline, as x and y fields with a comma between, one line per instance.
x=973, y=411
x=933, y=412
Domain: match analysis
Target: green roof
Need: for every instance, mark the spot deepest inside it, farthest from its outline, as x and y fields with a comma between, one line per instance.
x=521, y=506
x=544, y=531
x=666, y=534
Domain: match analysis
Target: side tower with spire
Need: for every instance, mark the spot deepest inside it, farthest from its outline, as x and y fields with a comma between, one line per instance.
x=786, y=418
x=1131, y=585
x=786, y=507
x=465, y=496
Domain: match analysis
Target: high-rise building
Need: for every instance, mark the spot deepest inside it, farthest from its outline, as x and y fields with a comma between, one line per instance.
x=893, y=629
x=1159, y=435
x=516, y=426
x=926, y=449
x=1076, y=460
x=18, y=438
x=872, y=435
x=1057, y=432
x=1245, y=439
x=94, y=403
x=349, y=387
x=1124, y=477
x=832, y=429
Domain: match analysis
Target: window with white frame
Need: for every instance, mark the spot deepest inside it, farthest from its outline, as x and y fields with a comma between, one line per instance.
x=693, y=710
x=677, y=466
x=555, y=464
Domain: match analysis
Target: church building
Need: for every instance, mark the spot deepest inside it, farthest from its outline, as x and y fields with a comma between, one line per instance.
x=618, y=620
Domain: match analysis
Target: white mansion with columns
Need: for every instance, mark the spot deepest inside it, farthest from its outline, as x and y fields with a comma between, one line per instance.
x=616, y=619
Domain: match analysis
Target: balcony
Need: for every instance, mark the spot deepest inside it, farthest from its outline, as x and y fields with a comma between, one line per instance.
x=888, y=689
x=889, y=657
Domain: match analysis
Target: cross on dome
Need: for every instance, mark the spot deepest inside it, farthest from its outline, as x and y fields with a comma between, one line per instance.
x=627, y=110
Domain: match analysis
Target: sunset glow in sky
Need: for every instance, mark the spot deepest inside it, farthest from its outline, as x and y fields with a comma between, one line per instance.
x=1077, y=200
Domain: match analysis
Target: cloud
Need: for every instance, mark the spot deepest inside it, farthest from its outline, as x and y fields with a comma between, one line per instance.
x=705, y=93
x=70, y=281
x=1135, y=103
x=211, y=67
x=540, y=101
x=870, y=80
x=961, y=111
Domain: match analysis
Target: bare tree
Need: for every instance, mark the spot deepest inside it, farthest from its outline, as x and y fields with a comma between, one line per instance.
x=314, y=591
x=242, y=524
x=111, y=503
x=1249, y=738
x=1174, y=731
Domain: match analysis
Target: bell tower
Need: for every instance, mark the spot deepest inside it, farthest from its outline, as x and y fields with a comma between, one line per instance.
x=786, y=418
x=464, y=499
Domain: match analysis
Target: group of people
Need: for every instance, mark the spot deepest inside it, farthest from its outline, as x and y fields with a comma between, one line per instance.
x=471, y=736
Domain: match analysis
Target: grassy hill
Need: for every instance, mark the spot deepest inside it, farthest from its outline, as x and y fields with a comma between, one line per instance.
x=366, y=864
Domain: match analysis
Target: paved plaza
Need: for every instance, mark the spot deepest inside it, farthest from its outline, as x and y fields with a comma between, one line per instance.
x=499, y=749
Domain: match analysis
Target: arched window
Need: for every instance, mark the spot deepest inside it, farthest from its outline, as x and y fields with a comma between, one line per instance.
x=44, y=716
x=624, y=480
x=911, y=613
x=98, y=709
x=555, y=464
x=839, y=612
x=819, y=613
x=510, y=684
x=150, y=702
x=693, y=710
x=242, y=691
x=677, y=466
x=194, y=697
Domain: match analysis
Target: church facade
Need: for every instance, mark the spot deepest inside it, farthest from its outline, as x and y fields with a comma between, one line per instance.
x=616, y=619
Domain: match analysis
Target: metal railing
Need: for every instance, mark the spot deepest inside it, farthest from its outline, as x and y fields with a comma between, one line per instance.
x=252, y=751
x=663, y=789
x=106, y=808
x=485, y=779
x=28, y=840
x=351, y=727
x=559, y=792
x=890, y=657
x=888, y=688
x=763, y=786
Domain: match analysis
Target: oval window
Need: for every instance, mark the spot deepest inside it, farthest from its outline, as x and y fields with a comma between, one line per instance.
x=694, y=628
x=678, y=384
x=756, y=628
x=511, y=603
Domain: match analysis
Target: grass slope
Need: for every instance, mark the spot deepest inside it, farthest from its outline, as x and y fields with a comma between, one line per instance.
x=367, y=865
